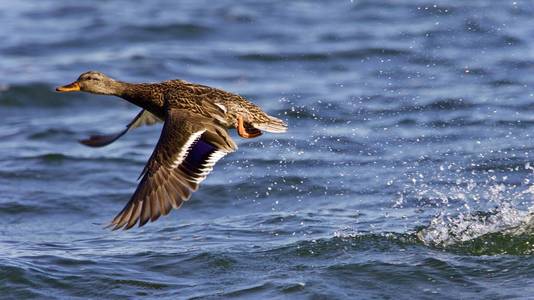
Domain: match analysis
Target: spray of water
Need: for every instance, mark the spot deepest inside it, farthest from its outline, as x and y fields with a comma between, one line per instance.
x=471, y=212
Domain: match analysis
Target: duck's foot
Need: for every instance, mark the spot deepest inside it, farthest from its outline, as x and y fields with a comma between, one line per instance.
x=246, y=131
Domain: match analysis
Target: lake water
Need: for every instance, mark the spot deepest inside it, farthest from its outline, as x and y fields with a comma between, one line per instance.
x=406, y=173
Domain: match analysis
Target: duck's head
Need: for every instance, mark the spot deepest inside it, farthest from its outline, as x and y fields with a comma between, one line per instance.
x=91, y=82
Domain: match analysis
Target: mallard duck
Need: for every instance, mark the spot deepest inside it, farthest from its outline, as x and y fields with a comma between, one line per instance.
x=193, y=139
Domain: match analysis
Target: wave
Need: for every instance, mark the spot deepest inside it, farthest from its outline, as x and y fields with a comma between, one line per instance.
x=482, y=233
x=174, y=31
x=55, y=158
x=325, y=55
x=42, y=95
x=484, y=213
x=502, y=230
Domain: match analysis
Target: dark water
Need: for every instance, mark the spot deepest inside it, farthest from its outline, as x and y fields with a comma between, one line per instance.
x=406, y=172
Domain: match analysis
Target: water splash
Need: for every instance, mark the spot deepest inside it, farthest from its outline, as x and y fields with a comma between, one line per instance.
x=447, y=230
x=464, y=222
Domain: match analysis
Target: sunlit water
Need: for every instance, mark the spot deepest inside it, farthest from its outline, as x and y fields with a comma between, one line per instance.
x=406, y=172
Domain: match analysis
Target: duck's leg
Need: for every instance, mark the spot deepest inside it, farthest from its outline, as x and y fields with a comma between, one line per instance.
x=247, y=132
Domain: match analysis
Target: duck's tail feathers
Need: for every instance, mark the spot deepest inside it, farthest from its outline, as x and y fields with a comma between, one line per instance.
x=271, y=125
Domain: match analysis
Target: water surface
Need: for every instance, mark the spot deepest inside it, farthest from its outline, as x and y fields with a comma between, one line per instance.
x=406, y=172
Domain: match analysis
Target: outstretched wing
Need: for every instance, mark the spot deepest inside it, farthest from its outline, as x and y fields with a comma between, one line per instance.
x=187, y=150
x=143, y=118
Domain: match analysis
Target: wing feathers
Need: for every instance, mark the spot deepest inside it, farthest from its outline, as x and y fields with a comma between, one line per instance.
x=142, y=118
x=186, y=152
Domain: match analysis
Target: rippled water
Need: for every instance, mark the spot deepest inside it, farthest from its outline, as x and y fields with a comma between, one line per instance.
x=406, y=171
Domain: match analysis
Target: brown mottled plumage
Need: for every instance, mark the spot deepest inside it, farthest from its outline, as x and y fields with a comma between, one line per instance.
x=194, y=137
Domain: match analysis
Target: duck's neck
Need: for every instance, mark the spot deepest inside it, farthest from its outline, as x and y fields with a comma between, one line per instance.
x=141, y=94
x=117, y=88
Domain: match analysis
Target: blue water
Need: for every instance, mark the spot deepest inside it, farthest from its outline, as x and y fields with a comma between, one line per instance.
x=406, y=172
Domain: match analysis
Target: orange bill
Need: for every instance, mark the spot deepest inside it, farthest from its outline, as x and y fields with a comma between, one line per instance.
x=73, y=87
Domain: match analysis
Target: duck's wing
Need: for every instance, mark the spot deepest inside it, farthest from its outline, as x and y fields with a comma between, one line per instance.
x=142, y=118
x=187, y=150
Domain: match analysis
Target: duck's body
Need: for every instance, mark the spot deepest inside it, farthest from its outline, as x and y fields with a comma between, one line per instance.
x=200, y=99
x=193, y=139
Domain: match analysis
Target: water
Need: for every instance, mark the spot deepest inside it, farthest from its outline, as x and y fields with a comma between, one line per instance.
x=406, y=172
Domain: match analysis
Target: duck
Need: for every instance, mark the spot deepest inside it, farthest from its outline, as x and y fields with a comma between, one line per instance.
x=194, y=137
